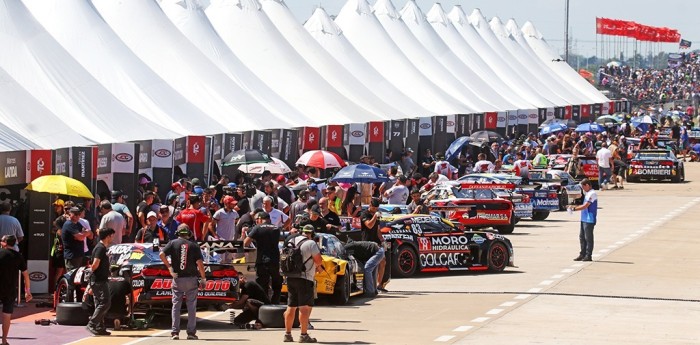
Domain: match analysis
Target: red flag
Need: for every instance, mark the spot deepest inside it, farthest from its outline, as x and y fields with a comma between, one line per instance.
x=334, y=136
x=490, y=120
x=376, y=132
x=312, y=138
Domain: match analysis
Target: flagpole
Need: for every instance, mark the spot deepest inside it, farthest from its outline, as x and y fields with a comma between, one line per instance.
x=566, y=51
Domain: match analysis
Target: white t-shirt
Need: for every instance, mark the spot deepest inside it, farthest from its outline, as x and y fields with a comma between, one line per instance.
x=522, y=167
x=484, y=166
x=603, y=157
x=84, y=222
x=277, y=217
x=444, y=168
x=397, y=195
x=226, y=223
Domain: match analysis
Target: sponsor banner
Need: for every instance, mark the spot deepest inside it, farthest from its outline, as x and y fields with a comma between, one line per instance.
x=162, y=153
x=123, y=160
x=523, y=116
x=261, y=140
x=442, y=259
x=501, y=119
x=289, y=150
x=462, y=125
x=39, y=163
x=376, y=131
x=104, y=159
x=312, y=139
x=275, y=142
x=60, y=161
x=396, y=140
x=585, y=111
x=39, y=275
x=195, y=149
x=541, y=115
x=232, y=142
x=425, y=127
x=358, y=135
x=14, y=169
x=559, y=112
x=179, y=151
x=608, y=108
x=545, y=204
x=440, y=139
x=81, y=165
x=144, y=156
x=451, y=124
x=597, y=110
x=217, y=147
x=491, y=120
x=653, y=171
x=334, y=136
x=568, y=112
x=550, y=114
x=532, y=117
x=512, y=119
x=412, y=130
x=443, y=244
x=38, y=231
x=477, y=123
x=618, y=106
x=576, y=113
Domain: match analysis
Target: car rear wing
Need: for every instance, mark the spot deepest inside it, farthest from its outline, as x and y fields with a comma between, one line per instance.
x=473, y=185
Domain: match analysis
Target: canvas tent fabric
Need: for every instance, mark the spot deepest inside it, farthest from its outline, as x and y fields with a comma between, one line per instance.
x=256, y=41
x=42, y=67
x=367, y=35
x=189, y=17
x=327, y=33
x=13, y=141
x=111, y=62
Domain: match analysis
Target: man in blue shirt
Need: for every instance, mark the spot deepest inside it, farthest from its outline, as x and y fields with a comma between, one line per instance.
x=589, y=214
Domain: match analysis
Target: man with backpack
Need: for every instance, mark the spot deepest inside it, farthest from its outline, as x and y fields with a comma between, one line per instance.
x=267, y=263
x=300, y=260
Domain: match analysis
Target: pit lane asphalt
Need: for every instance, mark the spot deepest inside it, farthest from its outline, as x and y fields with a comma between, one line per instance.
x=641, y=288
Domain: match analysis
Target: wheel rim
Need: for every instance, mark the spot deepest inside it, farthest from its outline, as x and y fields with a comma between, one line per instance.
x=498, y=256
x=348, y=285
x=62, y=291
x=406, y=260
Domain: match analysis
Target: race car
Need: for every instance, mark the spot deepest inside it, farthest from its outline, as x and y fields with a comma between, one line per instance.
x=475, y=207
x=568, y=191
x=428, y=243
x=655, y=165
x=578, y=167
x=140, y=266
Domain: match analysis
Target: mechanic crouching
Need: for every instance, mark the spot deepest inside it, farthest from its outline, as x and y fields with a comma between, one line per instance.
x=371, y=254
x=251, y=297
x=187, y=262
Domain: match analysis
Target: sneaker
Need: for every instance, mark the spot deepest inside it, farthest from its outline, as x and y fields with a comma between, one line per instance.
x=305, y=338
x=588, y=258
x=615, y=187
x=192, y=337
x=103, y=332
x=174, y=336
x=310, y=326
x=383, y=290
x=622, y=187
x=92, y=330
x=579, y=258
x=288, y=338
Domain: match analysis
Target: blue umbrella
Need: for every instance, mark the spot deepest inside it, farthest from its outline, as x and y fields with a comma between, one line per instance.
x=361, y=173
x=456, y=146
x=553, y=128
x=590, y=127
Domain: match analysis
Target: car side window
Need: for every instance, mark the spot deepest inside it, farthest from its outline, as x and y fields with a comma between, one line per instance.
x=483, y=194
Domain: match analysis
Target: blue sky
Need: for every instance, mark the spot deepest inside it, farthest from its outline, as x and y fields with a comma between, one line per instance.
x=548, y=16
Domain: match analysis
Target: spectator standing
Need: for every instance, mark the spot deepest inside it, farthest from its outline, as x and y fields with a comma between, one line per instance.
x=152, y=231
x=397, y=194
x=167, y=222
x=369, y=220
x=112, y=219
x=194, y=218
x=9, y=225
x=11, y=263
x=73, y=235
x=277, y=217
x=267, y=263
x=589, y=215
x=98, y=283
x=428, y=163
x=444, y=167
x=302, y=287
x=605, y=164
x=118, y=200
x=483, y=165
x=184, y=273
x=408, y=166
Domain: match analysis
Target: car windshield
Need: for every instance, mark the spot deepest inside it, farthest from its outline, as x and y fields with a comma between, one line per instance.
x=656, y=155
x=479, y=194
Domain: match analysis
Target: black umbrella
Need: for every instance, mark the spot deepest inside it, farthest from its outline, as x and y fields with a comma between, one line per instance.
x=487, y=136
x=245, y=157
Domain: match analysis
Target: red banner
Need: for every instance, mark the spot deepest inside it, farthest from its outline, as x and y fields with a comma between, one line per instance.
x=312, y=138
x=567, y=112
x=490, y=120
x=334, y=136
x=585, y=111
x=195, y=149
x=376, y=132
x=625, y=28
x=40, y=164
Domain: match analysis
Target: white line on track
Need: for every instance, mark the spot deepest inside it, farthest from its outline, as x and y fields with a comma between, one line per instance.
x=534, y=290
x=481, y=319
x=577, y=265
x=508, y=304
x=604, y=250
x=521, y=297
x=494, y=311
x=444, y=338
x=546, y=282
x=557, y=276
x=567, y=270
x=208, y=317
x=462, y=328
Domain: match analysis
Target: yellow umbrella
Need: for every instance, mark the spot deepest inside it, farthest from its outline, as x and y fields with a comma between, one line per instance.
x=59, y=184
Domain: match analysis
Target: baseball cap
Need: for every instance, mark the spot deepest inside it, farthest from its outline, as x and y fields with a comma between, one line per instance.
x=281, y=179
x=315, y=209
x=75, y=209
x=198, y=190
x=196, y=182
x=308, y=228
x=229, y=200
x=117, y=193
x=59, y=202
x=262, y=215
x=408, y=149
x=143, y=180
x=151, y=214
x=313, y=187
x=183, y=229
x=232, y=185
x=176, y=185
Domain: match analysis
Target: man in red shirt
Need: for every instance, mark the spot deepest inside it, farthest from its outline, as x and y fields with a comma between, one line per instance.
x=195, y=219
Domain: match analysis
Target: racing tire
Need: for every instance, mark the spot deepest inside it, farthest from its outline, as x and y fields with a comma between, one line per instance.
x=72, y=314
x=272, y=316
x=540, y=215
x=405, y=262
x=497, y=257
x=517, y=219
x=507, y=229
x=341, y=293
x=63, y=292
x=563, y=200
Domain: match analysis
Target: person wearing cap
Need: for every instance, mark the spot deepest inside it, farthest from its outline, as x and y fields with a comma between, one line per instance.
x=112, y=219
x=223, y=223
x=320, y=224
x=302, y=288
x=184, y=273
x=589, y=217
x=313, y=191
x=151, y=231
x=118, y=204
x=11, y=264
x=144, y=207
x=195, y=219
x=267, y=263
x=176, y=188
x=299, y=205
x=58, y=207
x=10, y=225
x=167, y=222
x=73, y=235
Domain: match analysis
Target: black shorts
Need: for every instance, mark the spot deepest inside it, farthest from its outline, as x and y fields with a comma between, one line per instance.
x=58, y=262
x=8, y=304
x=300, y=292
